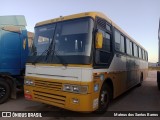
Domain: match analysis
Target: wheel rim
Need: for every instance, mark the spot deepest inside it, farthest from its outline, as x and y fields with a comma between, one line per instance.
x=104, y=98
x=2, y=91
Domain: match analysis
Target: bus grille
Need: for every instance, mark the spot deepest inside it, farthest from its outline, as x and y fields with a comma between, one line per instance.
x=48, y=85
x=50, y=98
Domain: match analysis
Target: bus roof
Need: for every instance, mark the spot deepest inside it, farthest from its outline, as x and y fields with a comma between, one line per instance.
x=88, y=14
x=16, y=20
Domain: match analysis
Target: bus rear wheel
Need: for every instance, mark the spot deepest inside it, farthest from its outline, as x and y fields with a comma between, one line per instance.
x=104, y=99
x=141, y=80
x=4, y=91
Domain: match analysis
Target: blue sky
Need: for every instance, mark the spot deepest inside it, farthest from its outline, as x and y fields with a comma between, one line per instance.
x=139, y=18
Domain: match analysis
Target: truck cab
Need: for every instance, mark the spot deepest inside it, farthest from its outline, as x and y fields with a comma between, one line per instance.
x=13, y=54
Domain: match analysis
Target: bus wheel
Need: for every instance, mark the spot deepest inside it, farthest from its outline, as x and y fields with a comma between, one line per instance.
x=104, y=99
x=4, y=91
x=141, y=80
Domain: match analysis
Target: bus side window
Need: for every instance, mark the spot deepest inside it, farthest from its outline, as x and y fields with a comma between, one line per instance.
x=138, y=51
x=131, y=48
x=135, y=50
x=122, y=44
x=147, y=55
x=143, y=54
x=119, y=42
x=140, y=54
x=128, y=46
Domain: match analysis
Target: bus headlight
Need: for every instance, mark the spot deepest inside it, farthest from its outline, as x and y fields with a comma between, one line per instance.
x=28, y=82
x=67, y=88
x=75, y=88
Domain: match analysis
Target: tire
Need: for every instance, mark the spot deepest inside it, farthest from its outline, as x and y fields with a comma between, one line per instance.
x=158, y=79
x=4, y=91
x=104, y=99
x=141, y=80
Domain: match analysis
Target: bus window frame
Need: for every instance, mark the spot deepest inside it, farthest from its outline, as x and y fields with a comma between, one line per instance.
x=132, y=46
x=121, y=35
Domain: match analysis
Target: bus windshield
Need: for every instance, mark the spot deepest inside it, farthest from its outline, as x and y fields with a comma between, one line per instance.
x=68, y=42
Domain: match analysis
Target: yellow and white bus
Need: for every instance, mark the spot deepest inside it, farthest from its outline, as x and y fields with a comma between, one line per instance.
x=81, y=62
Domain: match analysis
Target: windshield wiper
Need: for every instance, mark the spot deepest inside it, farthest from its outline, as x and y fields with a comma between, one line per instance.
x=46, y=52
x=50, y=52
x=55, y=54
x=61, y=60
x=38, y=58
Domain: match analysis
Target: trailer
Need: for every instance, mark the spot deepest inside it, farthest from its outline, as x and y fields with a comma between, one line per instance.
x=13, y=55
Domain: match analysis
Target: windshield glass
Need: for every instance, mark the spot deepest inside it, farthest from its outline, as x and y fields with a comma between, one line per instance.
x=43, y=37
x=63, y=42
x=72, y=38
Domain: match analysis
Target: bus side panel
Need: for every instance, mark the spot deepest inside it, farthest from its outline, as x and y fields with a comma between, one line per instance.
x=132, y=72
x=125, y=72
x=118, y=73
x=144, y=66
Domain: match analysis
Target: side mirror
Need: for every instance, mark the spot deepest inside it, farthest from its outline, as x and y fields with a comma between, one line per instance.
x=12, y=29
x=99, y=40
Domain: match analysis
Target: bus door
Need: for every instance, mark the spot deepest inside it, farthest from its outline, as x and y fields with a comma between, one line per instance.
x=103, y=55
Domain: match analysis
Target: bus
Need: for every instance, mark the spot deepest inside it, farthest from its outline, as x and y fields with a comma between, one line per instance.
x=81, y=62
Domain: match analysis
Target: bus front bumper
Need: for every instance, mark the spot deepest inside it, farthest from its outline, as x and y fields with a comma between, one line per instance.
x=66, y=100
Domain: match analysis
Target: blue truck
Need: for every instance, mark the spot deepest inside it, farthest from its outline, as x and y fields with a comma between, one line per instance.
x=13, y=55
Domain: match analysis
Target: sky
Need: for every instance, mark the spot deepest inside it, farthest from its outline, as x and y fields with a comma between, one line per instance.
x=139, y=18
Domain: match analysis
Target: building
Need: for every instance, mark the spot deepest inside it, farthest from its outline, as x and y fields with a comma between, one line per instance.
x=30, y=39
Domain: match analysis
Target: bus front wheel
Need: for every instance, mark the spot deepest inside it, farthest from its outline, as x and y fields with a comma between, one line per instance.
x=104, y=99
